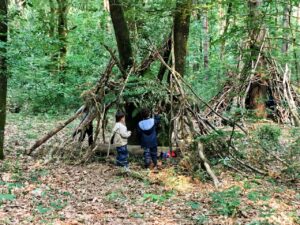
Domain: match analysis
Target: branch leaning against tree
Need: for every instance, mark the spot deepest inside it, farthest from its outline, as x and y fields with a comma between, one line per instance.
x=177, y=75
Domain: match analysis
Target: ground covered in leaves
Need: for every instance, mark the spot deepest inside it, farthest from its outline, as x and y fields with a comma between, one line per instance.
x=32, y=192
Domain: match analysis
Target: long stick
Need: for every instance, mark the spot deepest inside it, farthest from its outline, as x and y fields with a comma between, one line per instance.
x=192, y=90
x=45, y=138
x=207, y=166
x=171, y=87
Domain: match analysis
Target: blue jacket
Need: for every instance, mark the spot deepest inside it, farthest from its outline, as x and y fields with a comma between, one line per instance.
x=147, y=132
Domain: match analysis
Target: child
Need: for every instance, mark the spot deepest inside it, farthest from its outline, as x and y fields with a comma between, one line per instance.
x=148, y=137
x=120, y=136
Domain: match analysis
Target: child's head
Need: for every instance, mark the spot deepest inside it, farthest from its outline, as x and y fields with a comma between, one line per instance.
x=145, y=113
x=120, y=116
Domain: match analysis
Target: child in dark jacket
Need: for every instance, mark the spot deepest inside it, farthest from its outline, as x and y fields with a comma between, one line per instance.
x=147, y=131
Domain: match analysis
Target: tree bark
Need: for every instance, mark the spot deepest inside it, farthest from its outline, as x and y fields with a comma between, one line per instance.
x=181, y=32
x=52, y=18
x=205, y=41
x=62, y=31
x=286, y=24
x=226, y=26
x=106, y=5
x=295, y=52
x=166, y=56
x=3, y=72
x=121, y=33
x=258, y=89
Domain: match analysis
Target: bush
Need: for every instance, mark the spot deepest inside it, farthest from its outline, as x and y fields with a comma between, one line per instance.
x=268, y=133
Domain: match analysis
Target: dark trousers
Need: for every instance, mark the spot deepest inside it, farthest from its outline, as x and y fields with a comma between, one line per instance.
x=122, y=156
x=88, y=131
x=150, y=154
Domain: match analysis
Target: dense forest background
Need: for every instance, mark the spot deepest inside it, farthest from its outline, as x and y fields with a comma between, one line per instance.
x=224, y=75
x=56, y=47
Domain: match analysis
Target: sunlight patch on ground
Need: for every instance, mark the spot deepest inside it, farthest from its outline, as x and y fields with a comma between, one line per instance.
x=172, y=181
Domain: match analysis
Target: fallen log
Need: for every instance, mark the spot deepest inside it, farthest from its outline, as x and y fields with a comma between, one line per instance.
x=132, y=149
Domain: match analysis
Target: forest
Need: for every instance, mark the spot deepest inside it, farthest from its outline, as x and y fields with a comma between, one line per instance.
x=150, y=112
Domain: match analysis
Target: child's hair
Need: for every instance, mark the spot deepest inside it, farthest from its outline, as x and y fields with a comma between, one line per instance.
x=119, y=116
x=145, y=113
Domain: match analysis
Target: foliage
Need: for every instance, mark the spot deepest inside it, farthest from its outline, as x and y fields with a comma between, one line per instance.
x=158, y=198
x=7, y=197
x=227, y=202
x=37, y=85
x=255, y=196
x=269, y=134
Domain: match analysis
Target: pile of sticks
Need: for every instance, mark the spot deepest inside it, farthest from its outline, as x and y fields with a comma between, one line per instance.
x=236, y=90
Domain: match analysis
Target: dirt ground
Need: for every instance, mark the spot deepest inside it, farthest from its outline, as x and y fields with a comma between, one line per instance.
x=32, y=192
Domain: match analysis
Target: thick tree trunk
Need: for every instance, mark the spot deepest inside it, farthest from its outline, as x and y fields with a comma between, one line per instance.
x=258, y=89
x=62, y=31
x=3, y=72
x=126, y=57
x=121, y=33
x=181, y=33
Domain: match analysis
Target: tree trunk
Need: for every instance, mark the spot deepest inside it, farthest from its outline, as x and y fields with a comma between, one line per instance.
x=126, y=58
x=225, y=29
x=121, y=33
x=52, y=18
x=205, y=41
x=295, y=48
x=258, y=89
x=62, y=31
x=181, y=33
x=286, y=24
x=3, y=72
x=106, y=5
x=166, y=56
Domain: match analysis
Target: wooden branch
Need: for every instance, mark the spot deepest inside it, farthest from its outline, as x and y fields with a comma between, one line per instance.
x=116, y=60
x=177, y=75
x=206, y=165
x=243, y=163
x=52, y=133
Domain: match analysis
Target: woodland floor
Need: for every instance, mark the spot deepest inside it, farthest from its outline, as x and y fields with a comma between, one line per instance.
x=100, y=193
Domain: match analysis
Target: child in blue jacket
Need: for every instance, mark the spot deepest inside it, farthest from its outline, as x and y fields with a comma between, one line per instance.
x=147, y=131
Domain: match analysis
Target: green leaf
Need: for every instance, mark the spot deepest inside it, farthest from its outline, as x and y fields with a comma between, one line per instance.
x=194, y=205
x=41, y=209
x=8, y=197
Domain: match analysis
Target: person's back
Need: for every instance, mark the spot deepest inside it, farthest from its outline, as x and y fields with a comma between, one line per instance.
x=147, y=131
x=148, y=137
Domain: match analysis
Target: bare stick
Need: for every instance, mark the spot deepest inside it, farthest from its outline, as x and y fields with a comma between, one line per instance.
x=207, y=166
x=52, y=133
x=176, y=74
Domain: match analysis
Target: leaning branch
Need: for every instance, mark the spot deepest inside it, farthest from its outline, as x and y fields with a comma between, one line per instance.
x=176, y=74
x=45, y=138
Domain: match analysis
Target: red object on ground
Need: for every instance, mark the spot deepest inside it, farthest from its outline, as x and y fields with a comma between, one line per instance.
x=171, y=154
